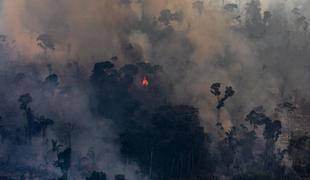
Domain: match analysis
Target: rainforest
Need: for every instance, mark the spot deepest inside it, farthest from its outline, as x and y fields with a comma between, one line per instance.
x=154, y=90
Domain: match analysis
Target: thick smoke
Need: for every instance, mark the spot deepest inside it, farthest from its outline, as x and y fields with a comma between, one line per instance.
x=197, y=43
x=93, y=140
x=203, y=48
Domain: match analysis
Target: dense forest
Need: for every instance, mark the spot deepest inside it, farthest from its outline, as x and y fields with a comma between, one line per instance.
x=231, y=103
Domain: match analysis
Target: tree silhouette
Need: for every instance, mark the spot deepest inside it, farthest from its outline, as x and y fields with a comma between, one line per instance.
x=64, y=161
x=97, y=176
x=198, y=5
x=215, y=90
x=24, y=100
x=35, y=124
x=166, y=16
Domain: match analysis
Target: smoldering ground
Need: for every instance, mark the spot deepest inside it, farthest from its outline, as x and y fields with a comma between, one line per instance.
x=264, y=58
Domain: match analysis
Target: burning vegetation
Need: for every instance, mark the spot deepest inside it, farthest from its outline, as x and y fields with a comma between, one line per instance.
x=145, y=82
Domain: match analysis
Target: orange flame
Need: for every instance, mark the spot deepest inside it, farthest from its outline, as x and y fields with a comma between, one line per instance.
x=145, y=82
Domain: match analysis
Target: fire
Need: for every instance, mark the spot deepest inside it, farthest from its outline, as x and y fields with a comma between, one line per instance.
x=145, y=82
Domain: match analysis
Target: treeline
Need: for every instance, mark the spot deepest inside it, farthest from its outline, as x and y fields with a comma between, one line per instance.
x=166, y=140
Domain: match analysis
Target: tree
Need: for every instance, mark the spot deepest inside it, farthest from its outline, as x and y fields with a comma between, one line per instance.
x=299, y=151
x=64, y=161
x=254, y=22
x=230, y=7
x=166, y=16
x=257, y=117
x=170, y=142
x=35, y=124
x=271, y=160
x=51, y=82
x=267, y=16
x=97, y=176
x=227, y=150
x=198, y=5
x=215, y=90
x=119, y=177
x=24, y=100
x=4, y=132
